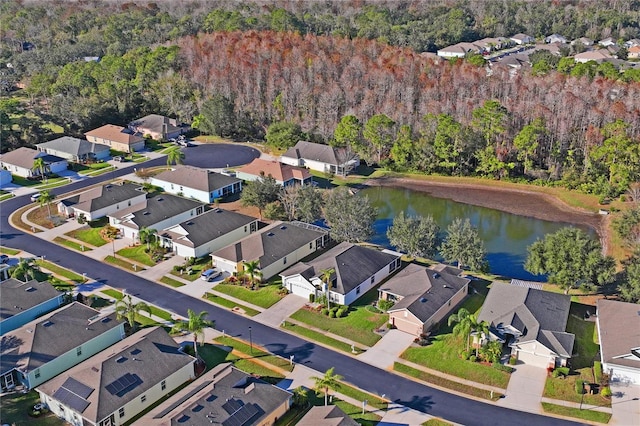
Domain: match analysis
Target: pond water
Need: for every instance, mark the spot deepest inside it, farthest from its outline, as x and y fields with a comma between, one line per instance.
x=506, y=236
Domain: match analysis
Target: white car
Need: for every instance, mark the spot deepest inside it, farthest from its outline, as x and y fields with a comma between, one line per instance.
x=35, y=197
x=211, y=274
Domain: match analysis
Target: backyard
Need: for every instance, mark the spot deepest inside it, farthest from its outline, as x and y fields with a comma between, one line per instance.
x=16, y=408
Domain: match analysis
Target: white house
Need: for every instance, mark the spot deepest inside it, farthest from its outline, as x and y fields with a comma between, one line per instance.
x=159, y=212
x=208, y=232
x=19, y=162
x=619, y=332
x=593, y=55
x=193, y=182
x=44, y=348
x=116, y=137
x=116, y=385
x=74, y=149
x=275, y=247
x=22, y=302
x=356, y=269
x=531, y=321
x=555, y=38
x=521, y=38
x=322, y=158
x=102, y=200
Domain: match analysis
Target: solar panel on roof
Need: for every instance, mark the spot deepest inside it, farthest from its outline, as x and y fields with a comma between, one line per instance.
x=71, y=400
x=80, y=389
x=232, y=405
x=123, y=384
x=242, y=416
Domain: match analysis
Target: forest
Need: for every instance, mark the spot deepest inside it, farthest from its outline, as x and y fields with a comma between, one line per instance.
x=346, y=73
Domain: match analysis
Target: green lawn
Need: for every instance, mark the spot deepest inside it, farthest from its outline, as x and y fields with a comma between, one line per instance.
x=50, y=183
x=71, y=244
x=88, y=234
x=264, y=297
x=245, y=348
x=201, y=264
x=137, y=254
x=6, y=195
x=97, y=171
x=123, y=264
x=355, y=393
x=170, y=281
x=594, y=416
x=70, y=275
x=114, y=294
x=230, y=304
x=212, y=355
x=9, y=251
x=368, y=418
x=15, y=409
x=320, y=337
x=160, y=313
x=436, y=422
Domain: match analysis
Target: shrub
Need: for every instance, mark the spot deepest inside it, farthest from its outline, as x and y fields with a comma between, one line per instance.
x=465, y=355
x=597, y=371
x=472, y=358
x=332, y=314
x=384, y=305
x=325, y=311
x=606, y=392
x=502, y=367
x=561, y=371
x=334, y=309
x=580, y=386
x=342, y=312
x=312, y=298
x=513, y=360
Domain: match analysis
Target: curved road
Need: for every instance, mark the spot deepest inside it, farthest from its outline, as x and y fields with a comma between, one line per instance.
x=399, y=389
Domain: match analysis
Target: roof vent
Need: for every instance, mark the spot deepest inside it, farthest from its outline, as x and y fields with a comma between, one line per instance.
x=270, y=234
x=135, y=351
x=94, y=368
x=29, y=289
x=105, y=320
x=121, y=359
x=160, y=199
x=189, y=223
x=47, y=324
x=108, y=186
x=146, y=213
x=436, y=275
x=445, y=286
x=283, y=227
x=422, y=299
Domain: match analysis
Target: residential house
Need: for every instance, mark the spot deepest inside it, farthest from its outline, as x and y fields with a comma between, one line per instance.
x=321, y=158
x=159, y=127
x=200, y=184
x=599, y=55
x=555, y=48
x=423, y=297
x=284, y=174
x=531, y=321
x=356, y=270
x=492, y=44
x=19, y=162
x=460, y=50
x=4, y=271
x=74, y=149
x=22, y=302
x=102, y=200
x=521, y=38
x=606, y=42
x=633, y=42
x=275, y=247
x=633, y=52
x=5, y=178
x=208, y=232
x=44, y=348
x=555, y=38
x=327, y=415
x=585, y=41
x=116, y=137
x=619, y=340
x=159, y=212
x=116, y=385
x=222, y=396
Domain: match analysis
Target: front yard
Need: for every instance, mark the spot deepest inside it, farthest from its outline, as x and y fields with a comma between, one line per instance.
x=90, y=233
x=137, y=254
x=265, y=296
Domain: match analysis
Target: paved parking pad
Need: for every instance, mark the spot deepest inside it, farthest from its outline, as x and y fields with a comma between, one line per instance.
x=525, y=388
x=384, y=353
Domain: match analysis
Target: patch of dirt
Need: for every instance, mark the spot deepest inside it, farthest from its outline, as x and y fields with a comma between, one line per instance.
x=40, y=216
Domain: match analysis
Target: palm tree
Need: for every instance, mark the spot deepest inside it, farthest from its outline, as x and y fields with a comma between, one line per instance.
x=467, y=324
x=175, y=156
x=196, y=325
x=40, y=166
x=145, y=234
x=110, y=233
x=25, y=268
x=126, y=309
x=326, y=382
x=300, y=397
x=325, y=277
x=46, y=197
x=252, y=271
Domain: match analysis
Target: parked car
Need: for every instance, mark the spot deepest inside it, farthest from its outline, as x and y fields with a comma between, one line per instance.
x=210, y=274
x=118, y=158
x=35, y=197
x=4, y=258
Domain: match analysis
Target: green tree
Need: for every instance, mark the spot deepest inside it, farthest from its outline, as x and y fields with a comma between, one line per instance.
x=350, y=217
x=416, y=236
x=528, y=140
x=490, y=120
x=330, y=380
x=619, y=154
x=260, y=192
x=348, y=133
x=302, y=202
x=326, y=276
x=126, y=309
x=251, y=270
x=217, y=116
x=175, y=156
x=46, y=197
x=300, y=397
x=476, y=59
x=194, y=324
x=570, y=258
x=630, y=286
x=147, y=235
x=448, y=141
x=284, y=134
x=463, y=245
x=379, y=130
x=25, y=269
x=41, y=167
x=466, y=324
x=274, y=211
x=403, y=148
x=627, y=226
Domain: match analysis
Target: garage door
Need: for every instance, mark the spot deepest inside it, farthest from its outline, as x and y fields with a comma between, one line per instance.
x=406, y=326
x=532, y=359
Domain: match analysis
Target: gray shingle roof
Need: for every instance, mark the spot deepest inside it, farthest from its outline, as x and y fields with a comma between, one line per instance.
x=52, y=335
x=234, y=398
x=148, y=356
x=73, y=146
x=157, y=209
x=23, y=157
x=619, y=326
x=196, y=178
x=209, y=226
x=330, y=415
x=103, y=196
x=313, y=151
x=353, y=265
x=270, y=244
x=18, y=296
x=423, y=290
x=539, y=315
x=155, y=123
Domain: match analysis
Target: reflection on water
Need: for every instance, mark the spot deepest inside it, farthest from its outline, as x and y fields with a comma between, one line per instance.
x=506, y=236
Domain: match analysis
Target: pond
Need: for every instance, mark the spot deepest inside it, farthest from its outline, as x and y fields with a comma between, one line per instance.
x=506, y=236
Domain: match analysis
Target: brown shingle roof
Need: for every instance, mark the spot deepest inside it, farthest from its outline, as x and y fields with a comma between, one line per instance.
x=279, y=171
x=116, y=134
x=617, y=333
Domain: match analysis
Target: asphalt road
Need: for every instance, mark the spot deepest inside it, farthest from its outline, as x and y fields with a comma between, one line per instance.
x=216, y=156
x=417, y=396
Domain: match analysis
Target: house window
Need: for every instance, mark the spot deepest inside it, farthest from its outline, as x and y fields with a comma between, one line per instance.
x=121, y=412
x=311, y=246
x=129, y=203
x=171, y=186
x=284, y=260
x=37, y=373
x=163, y=385
x=79, y=351
x=358, y=290
x=181, y=188
x=143, y=399
x=373, y=279
x=245, y=228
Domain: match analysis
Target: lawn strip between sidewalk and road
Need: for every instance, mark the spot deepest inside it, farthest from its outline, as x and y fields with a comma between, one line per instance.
x=319, y=337
x=170, y=281
x=591, y=415
x=71, y=244
x=226, y=303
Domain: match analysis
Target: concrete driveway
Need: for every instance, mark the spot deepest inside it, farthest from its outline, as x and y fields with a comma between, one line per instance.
x=625, y=404
x=215, y=156
x=281, y=310
x=525, y=389
x=384, y=353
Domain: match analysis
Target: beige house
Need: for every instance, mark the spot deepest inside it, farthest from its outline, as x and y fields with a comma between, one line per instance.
x=222, y=396
x=284, y=174
x=275, y=247
x=116, y=137
x=158, y=127
x=19, y=162
x=423, y=297
x=116, y=385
